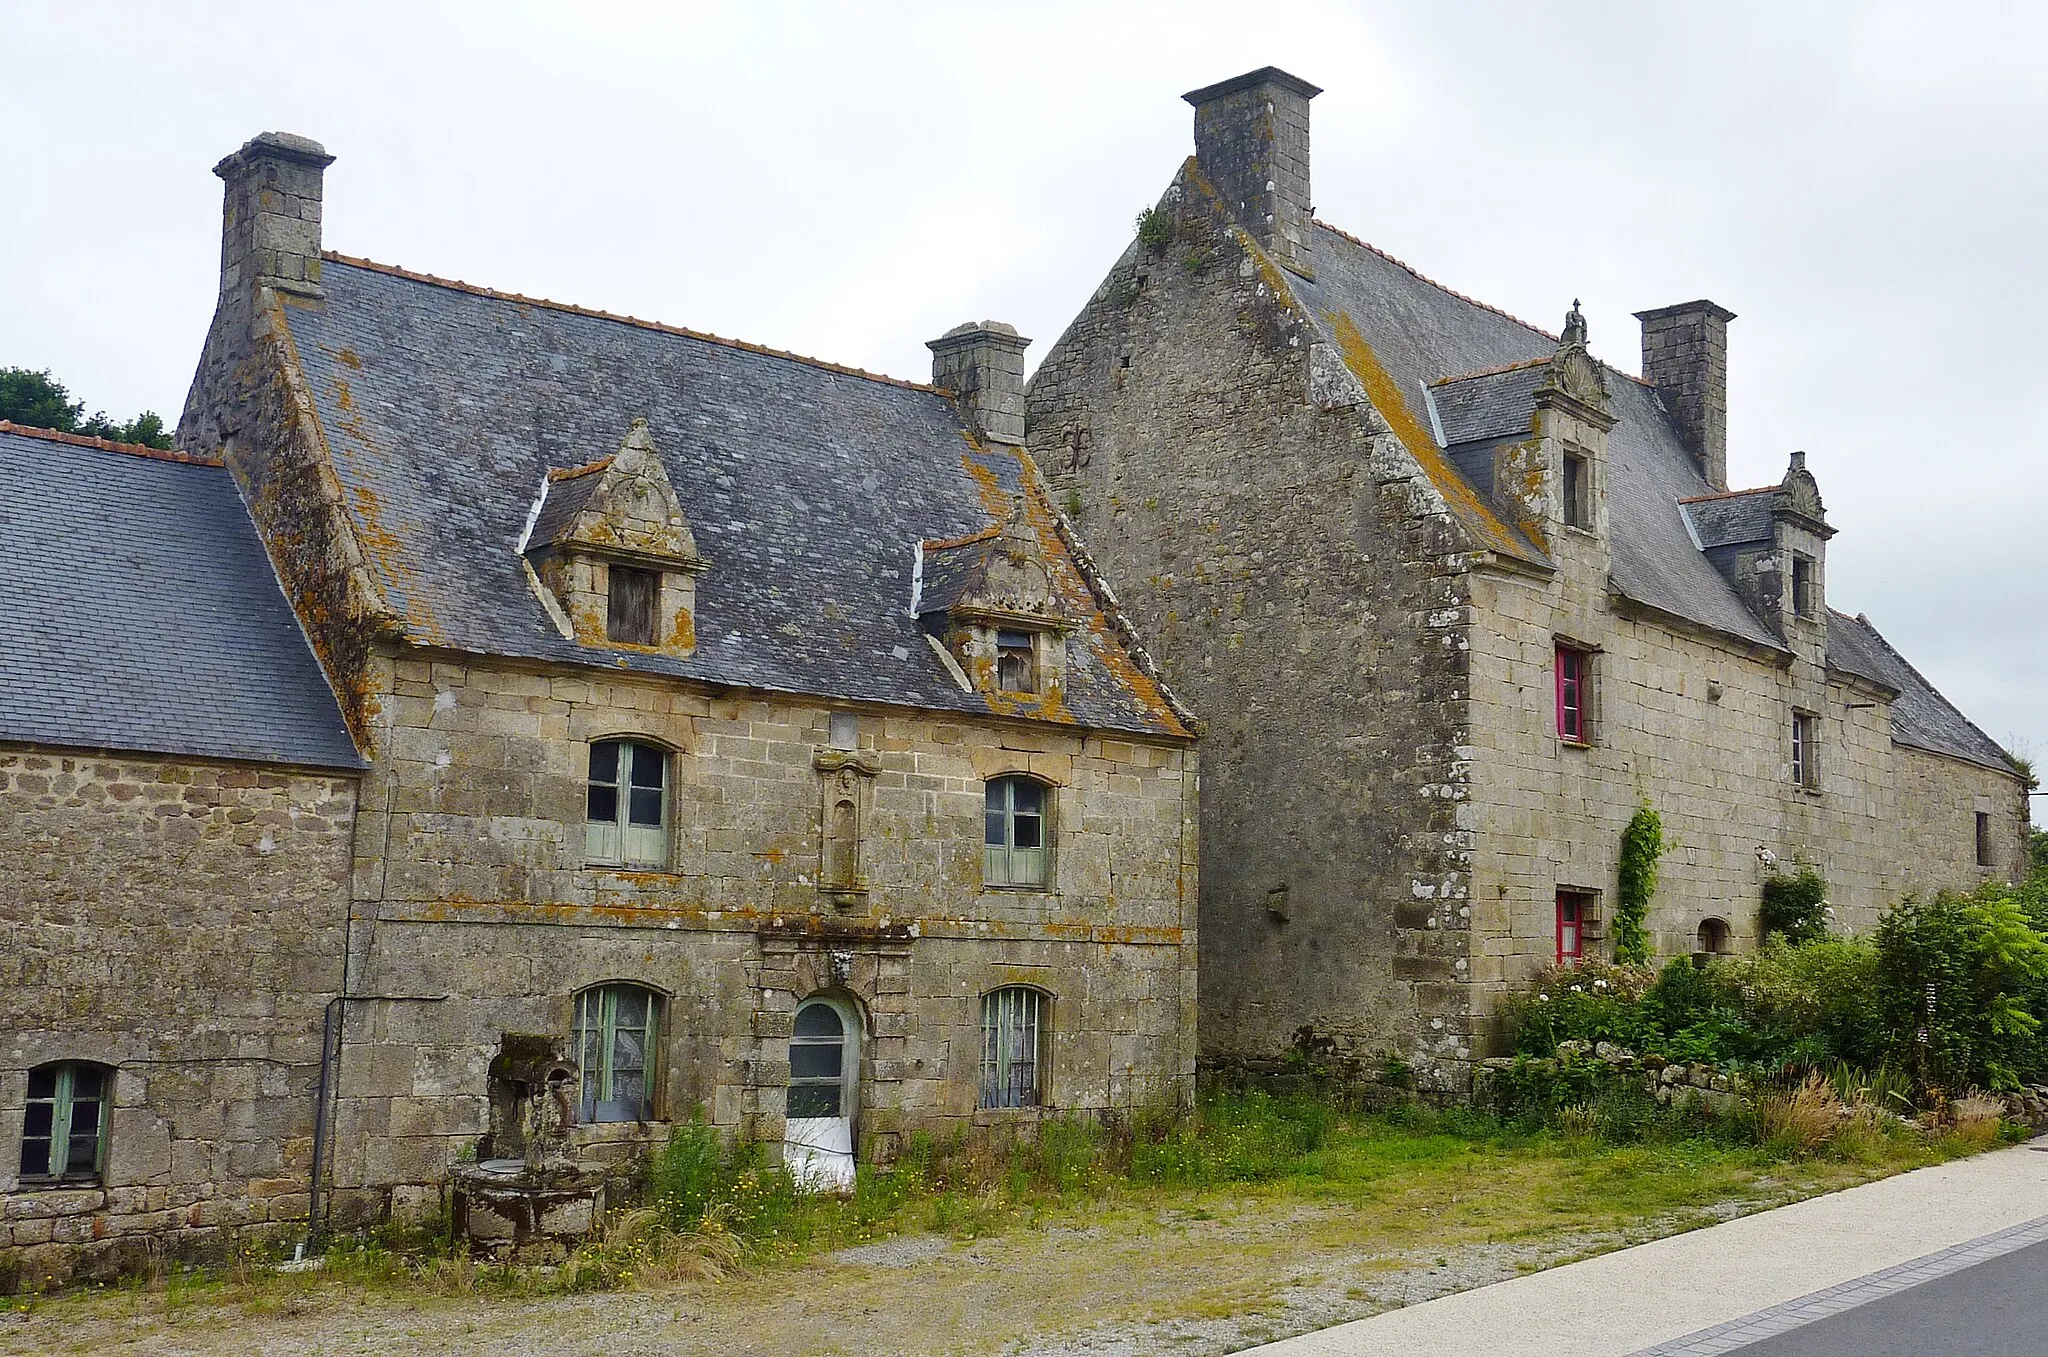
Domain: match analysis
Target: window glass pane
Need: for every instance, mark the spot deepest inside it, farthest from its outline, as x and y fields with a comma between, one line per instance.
x=39, y=1117
x=993, y=834
x=603, y=803
x=821, y=1061
x=992, y=799
x=629, y=1006
x=645, y=806
x=648, y=765
x=604, y=761
x=819, y=1020
x=1027, y=797
x=629, y=1052
x=814, y=1100
x=1027, y=831
x=42, y=1082
x=88, y=1081
x=629, y=1097
x=35, y=1156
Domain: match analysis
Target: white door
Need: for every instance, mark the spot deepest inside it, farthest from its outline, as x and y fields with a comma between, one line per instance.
x=824, y=1075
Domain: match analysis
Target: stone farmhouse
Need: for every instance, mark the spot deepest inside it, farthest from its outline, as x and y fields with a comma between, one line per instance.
x=497, y=699
x=1455, y=598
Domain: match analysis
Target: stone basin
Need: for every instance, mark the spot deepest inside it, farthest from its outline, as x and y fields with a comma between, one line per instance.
x=508, y=1211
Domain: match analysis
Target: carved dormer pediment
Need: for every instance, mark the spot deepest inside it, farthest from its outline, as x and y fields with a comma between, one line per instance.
x=1575, y=377
x=612, y=548
x=990, y=600
x=1798, y=498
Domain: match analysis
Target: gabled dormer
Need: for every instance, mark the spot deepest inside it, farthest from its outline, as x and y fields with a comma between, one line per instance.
x=1573, y=418
x=1771, y=544
x=1532, y=437
x=1799, y=543
x=612, y=551
x=989, y=601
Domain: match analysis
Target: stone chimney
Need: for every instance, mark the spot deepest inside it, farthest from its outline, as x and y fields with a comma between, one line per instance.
x=270, y=221
x=1685, y=357
x=1251, y=140
x=983, y=366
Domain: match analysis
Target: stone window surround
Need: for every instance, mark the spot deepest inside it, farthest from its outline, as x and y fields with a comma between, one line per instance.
x=1041, y=1024
x=1588, y=690
x=653, y=1066
x=62, y=1099
x=1048, y=831
x=669, y=752
x=1805, y=732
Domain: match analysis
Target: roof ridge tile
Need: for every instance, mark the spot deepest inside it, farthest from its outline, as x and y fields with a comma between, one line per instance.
x=1731, y=494
x=80, y=440
x=457, y=285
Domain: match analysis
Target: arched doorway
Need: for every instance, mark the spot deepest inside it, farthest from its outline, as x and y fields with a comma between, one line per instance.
x=824, y=1087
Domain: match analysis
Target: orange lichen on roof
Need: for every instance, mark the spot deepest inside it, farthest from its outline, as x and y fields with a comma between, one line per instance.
x=1073, y=585
x=571, y=473
x=1492, y=372
x=382, y=550
x=80, y=440
x=457, y=285
x=948, y=543
x=1420, y=443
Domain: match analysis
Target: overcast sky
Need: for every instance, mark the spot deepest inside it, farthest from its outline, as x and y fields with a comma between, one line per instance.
x=1863, y=185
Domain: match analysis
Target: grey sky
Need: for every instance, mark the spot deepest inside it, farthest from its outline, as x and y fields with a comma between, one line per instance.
x=1863, y=185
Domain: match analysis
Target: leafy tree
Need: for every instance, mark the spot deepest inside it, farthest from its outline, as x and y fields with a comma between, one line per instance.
x=40, y=401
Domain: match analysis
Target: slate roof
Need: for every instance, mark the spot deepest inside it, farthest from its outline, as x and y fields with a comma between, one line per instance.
x=1732, y=519
x=1419, y=332
x=142, y=613
x=1453, y=376
x=1921, y=716
x=1486, y=405
x=807, y=486
x=950, y=570
x=569, y=490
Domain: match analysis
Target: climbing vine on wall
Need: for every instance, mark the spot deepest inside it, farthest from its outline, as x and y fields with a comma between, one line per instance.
x=1642, y=843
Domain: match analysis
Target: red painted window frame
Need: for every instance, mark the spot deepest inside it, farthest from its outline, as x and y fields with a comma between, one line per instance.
x=1571, y=719
x=1577, y=905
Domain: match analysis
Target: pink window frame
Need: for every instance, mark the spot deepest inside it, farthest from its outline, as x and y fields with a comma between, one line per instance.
x=1577, y=906
x=1571, y=719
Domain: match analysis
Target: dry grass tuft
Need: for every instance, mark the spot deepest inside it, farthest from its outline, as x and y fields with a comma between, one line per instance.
x=1801, y=1120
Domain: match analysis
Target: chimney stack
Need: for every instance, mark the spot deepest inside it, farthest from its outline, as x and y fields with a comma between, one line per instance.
x=983, y=366
x=1251, y=140
x=270, y=221
x=1685, y=357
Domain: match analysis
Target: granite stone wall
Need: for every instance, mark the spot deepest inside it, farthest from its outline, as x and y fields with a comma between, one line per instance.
x=181, y=922
x=478, y=915
x=1304, y=590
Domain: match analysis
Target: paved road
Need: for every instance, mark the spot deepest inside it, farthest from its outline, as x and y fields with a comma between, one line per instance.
x=1997, y=1308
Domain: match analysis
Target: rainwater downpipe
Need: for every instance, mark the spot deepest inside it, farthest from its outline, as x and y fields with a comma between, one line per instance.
x=334, y=1020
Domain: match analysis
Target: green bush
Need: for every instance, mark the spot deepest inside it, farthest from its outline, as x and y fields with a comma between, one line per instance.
x=1155, y=229
x=1795, y=907
x=1963, y=981
x=1642, y=843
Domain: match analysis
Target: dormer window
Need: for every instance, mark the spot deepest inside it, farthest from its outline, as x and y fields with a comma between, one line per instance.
x=630, y=607
x=1802, y=586
x=611, y=554
x=1577, y=482
x=1016, y=662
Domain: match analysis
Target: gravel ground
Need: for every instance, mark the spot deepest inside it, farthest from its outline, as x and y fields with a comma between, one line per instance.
x=1187, y=1283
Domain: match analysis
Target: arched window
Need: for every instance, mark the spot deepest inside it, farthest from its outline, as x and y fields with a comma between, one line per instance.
x=1014, y=841
x=1013, y=1023
x=64, y=1127
x=1713, y=936
x=618, y=1032
x=627, y=805
x=823, y=1059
